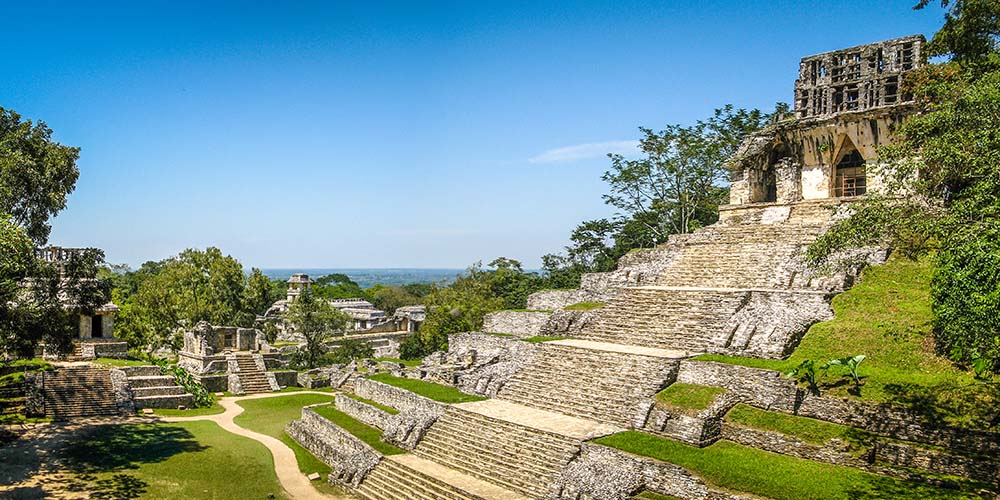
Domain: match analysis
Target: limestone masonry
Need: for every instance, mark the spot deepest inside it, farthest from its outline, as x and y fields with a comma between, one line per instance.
x=739, y=287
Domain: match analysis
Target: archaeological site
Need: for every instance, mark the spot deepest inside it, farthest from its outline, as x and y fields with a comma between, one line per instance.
x=771, y=312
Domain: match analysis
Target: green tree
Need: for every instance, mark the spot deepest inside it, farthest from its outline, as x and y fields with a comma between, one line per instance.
x=337, y=286
x=317, y=322
x=36, y=174
x=390, y=298
x=351, y=350
x=40, y=303
x=258, y=294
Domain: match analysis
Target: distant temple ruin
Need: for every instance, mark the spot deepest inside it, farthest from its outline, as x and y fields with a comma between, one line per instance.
x=847, y=103
x=95, y=332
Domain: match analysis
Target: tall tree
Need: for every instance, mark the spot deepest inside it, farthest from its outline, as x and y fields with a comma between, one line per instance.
x=36, y=174
x=317, y=322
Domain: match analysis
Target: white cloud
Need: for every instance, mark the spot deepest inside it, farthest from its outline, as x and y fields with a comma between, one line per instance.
x=584, y=151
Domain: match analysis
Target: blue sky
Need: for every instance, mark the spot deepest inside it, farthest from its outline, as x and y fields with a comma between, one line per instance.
x=328, y=134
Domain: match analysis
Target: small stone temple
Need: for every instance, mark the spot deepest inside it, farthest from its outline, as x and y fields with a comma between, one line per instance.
x=95, y=333
x=847, y=103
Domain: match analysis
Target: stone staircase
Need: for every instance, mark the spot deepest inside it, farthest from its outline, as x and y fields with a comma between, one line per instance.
x=252, y=378
x=152, y=389
x=409, y=477
x=681, y=319
x=516, y=457
x=608, y=384
x=78, y=392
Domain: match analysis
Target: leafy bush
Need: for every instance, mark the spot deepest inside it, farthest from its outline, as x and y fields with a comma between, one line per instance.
x=350, y=350
x=202, y=398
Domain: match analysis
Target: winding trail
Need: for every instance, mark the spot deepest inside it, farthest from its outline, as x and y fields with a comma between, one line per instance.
x=286, y=467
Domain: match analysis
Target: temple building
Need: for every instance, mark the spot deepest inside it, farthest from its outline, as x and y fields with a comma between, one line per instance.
x=847, y=103
x=95, y=333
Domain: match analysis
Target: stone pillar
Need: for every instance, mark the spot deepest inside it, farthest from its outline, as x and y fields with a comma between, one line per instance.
x=108, y=326
x=85, y=327
x=788, y=178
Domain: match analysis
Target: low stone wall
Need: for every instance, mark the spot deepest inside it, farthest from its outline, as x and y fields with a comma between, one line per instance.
x=416, y=413
x=123, y=393
x=201, y=365
x=286, y=378
x=214, y=383
x=521, y=324
x=118, y=350
x=364, y=412
x=771, y=323
x=903, y=455
x=770, y=390
x=567, y=323
x=834, y=452
x=604, y=473
x=34, y=402
x=350, y=458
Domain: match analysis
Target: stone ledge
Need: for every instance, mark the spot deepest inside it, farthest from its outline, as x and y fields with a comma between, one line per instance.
x=350, y=458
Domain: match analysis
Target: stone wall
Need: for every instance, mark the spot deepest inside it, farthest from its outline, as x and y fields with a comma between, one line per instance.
x=123, y=393
x=603, y=473
x=416, y=413
x=494, y=360
x=350, y=458
x=770, y=390
x=214, y=383
x=771, y=323
x=521, y=324
x=364, y=412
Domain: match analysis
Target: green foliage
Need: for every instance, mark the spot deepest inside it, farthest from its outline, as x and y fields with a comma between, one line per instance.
x=676, y=187
x=33, y=293
x=202, y=398
x=390, y=298
x=370, y=435
x=808, y=373
x=437, y=392
x=317, y=322
x=851, y=363
x=743, y=469
x=160, y=299
x=889, y=313
x=351, y=350
x=691, y=397
x=36, y=174
x=942, y=192
x=337, y=286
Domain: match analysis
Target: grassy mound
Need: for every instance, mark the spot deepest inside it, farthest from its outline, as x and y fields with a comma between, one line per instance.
x=734, y=467
x=688, y=397
x=584, y=306
x=887, y=317
x=437, y=392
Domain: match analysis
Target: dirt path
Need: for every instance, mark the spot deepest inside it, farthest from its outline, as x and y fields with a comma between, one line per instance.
x=287, y=468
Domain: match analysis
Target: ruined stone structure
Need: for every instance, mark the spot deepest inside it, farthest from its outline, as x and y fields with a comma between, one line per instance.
x=229, y=358
x=95, y=333
x=740, y=286
x=847, y=103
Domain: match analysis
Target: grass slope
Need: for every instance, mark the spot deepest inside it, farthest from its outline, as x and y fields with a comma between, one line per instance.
x=178, y=460
x=735, y=467
x=362, y=431
x=437, y=392
x=270, y=416
x=887, y=317
x=689, y=397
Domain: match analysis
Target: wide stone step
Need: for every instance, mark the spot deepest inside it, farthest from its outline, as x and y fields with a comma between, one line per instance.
x=141, y=371
x=151, y=381
x=408, y=477
x=165, y=401
x=170, y=390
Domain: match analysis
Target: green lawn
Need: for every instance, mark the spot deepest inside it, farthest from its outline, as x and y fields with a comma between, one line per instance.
x=887, y=317
x=688, y=397
x=437, y=392
x=362, y=431
x=810, y=430
x=215, y=409
x=584, y=306
x=178, y=460
x=269, y=416
x=735, y=467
